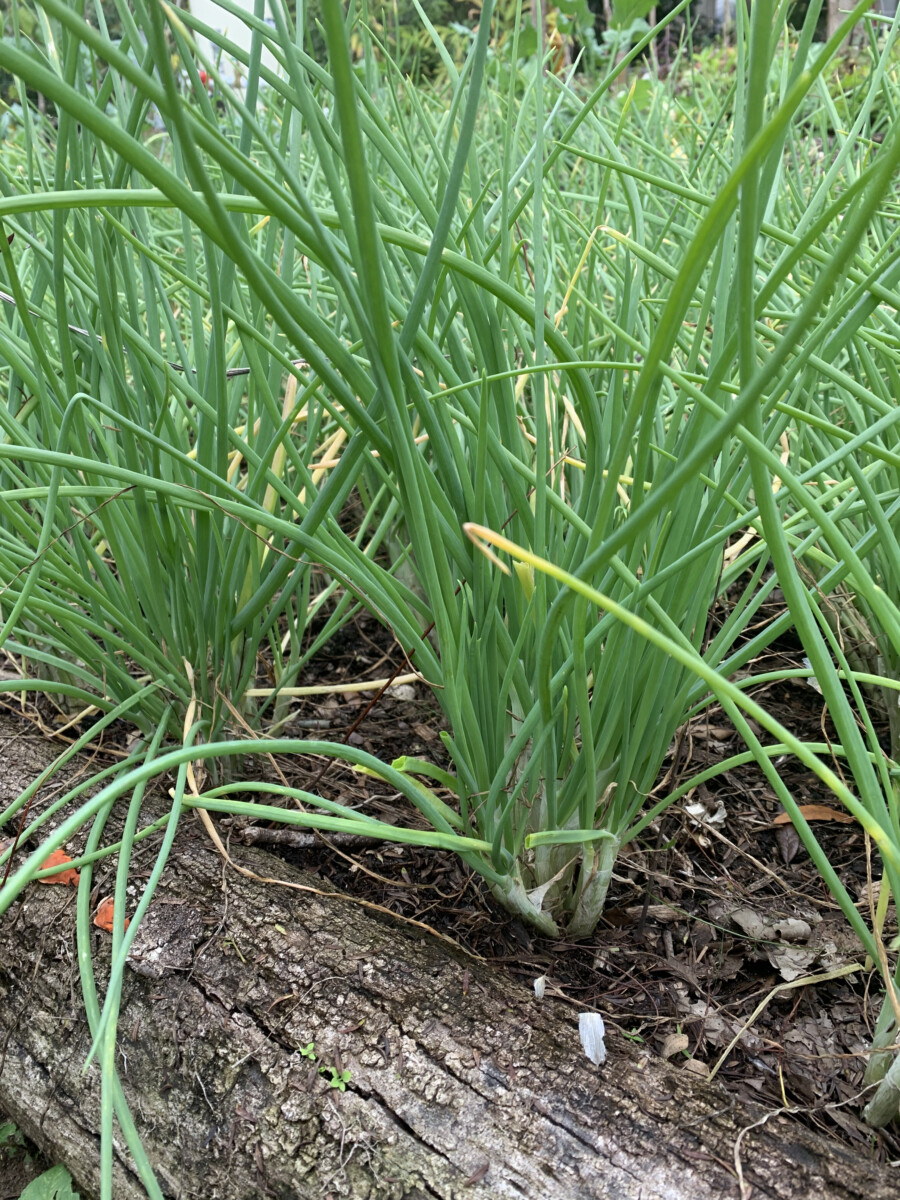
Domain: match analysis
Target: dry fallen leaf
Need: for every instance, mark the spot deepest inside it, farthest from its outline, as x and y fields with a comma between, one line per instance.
x=788, y=840
x=792, y=961
x=792, y=929
x=675, y=1043
x=816, y=812
x=56, y=859
x=104, y=916
x=695, y=1067
x=752, y=923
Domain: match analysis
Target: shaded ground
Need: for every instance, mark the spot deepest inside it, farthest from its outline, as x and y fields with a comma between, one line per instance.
x=20, y=1162
x=713, y=914
x=708, y=918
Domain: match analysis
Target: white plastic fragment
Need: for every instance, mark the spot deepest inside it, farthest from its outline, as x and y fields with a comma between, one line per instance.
x=539, y=985
x=701, y=815
x=592, y=1031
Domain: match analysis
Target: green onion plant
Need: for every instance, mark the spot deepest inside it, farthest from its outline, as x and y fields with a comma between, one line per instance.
x=591, y=326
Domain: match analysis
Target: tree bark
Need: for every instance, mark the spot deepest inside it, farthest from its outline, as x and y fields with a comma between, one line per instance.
x=462, y=1085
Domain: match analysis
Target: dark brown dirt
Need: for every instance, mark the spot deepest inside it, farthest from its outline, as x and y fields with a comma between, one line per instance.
x=20, y=1162
x=679, y=961
x=707, y=918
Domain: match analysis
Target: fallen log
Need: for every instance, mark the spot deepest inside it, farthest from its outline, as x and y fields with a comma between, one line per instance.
x=434, y=1076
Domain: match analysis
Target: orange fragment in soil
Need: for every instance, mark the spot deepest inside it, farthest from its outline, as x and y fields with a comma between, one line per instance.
x=104, y=917
x=56, y=859
x=817, y=812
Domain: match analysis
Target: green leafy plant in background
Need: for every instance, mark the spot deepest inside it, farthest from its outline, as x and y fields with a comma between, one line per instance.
x=627, y=25
x=53, y=1184
x=399, y=34
x=572, y=23
x=590, y=347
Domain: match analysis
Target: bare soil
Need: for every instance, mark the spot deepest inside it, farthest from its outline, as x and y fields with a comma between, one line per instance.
x=710, y=916
x=718, y=933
